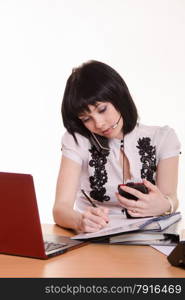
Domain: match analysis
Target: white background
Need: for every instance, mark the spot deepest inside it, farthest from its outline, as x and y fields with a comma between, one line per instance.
x=42, y=40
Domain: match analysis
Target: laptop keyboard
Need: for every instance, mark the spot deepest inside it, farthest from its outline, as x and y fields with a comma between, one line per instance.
x=49, y=246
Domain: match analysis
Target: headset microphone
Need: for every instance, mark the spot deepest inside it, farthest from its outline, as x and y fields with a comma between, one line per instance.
x=116, y=124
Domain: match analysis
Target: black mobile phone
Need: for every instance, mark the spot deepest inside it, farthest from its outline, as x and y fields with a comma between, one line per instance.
x=135, y=185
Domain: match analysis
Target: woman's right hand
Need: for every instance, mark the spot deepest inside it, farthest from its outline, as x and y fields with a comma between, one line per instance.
x=94, y=219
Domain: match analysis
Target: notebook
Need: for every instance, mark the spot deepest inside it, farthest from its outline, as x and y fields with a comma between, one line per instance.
x=20, y=227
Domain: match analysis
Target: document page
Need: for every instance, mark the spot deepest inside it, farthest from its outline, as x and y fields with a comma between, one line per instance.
x=164, y=249
x=117, y=224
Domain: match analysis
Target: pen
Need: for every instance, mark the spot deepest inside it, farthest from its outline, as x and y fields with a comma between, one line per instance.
x=89, y=198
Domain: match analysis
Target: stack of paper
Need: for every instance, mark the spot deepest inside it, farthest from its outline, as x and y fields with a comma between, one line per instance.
x=144, y=238
x=160, y=230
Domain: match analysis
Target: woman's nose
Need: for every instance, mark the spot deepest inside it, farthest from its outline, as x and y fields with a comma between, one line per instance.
x=99, y=123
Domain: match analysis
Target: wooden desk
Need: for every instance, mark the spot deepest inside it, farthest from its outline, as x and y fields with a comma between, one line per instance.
x=92, y=260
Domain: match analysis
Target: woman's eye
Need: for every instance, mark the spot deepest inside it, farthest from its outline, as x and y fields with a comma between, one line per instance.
x=103, y=109
x=84, y=120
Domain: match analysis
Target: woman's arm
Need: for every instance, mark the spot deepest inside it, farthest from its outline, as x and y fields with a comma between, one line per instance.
x=92, y=219
x=67, y=184
x=157, y=201
x=167, y=178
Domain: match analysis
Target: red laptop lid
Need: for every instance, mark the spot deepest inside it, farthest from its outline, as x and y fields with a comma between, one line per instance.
x=20, y=229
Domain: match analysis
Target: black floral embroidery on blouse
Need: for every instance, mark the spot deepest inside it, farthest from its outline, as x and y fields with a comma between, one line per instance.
x=148, y=158
x=98, y=161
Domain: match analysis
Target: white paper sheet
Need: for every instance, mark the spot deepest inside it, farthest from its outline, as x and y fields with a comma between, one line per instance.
x=164, y=249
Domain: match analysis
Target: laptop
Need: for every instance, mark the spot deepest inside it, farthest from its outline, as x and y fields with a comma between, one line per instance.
x=20, y=227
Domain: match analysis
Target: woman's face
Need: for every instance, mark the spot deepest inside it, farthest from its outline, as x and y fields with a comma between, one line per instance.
x=103, y=119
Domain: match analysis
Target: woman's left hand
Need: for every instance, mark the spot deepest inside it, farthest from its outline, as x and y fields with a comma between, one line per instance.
x=152, y=204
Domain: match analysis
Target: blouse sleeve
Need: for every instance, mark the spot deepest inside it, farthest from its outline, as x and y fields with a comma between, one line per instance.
x=168, y=143
x=73, y=150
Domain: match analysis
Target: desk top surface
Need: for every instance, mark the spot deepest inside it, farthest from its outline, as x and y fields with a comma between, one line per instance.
x=92, y=260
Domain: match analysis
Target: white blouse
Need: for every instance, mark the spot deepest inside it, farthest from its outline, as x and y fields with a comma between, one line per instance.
x=144, y=147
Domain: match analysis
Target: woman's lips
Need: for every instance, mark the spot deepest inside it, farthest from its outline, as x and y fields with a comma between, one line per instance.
x=107, y=131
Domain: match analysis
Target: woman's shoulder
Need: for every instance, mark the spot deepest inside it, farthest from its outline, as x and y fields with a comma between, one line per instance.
x=67, y=138
x=155, y=131
x=161, y=136
x=76, y=150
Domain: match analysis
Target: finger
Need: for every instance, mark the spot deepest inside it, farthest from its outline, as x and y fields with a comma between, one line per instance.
x=89, y=225
x=138, y=213
x=95, y=215
x=149, y=185
x=130, y=204
x=134, y=213
x=102, y=213
x=105, y=210
x=88, y=228
x=124, y=202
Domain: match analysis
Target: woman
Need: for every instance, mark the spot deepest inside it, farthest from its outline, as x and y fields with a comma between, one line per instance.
x=104, y=146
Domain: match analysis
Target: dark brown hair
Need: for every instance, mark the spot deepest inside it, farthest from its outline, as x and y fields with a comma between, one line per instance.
x=93, y=82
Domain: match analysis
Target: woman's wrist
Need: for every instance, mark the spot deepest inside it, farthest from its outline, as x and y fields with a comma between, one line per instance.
x=79, y=223
x=170, y=210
